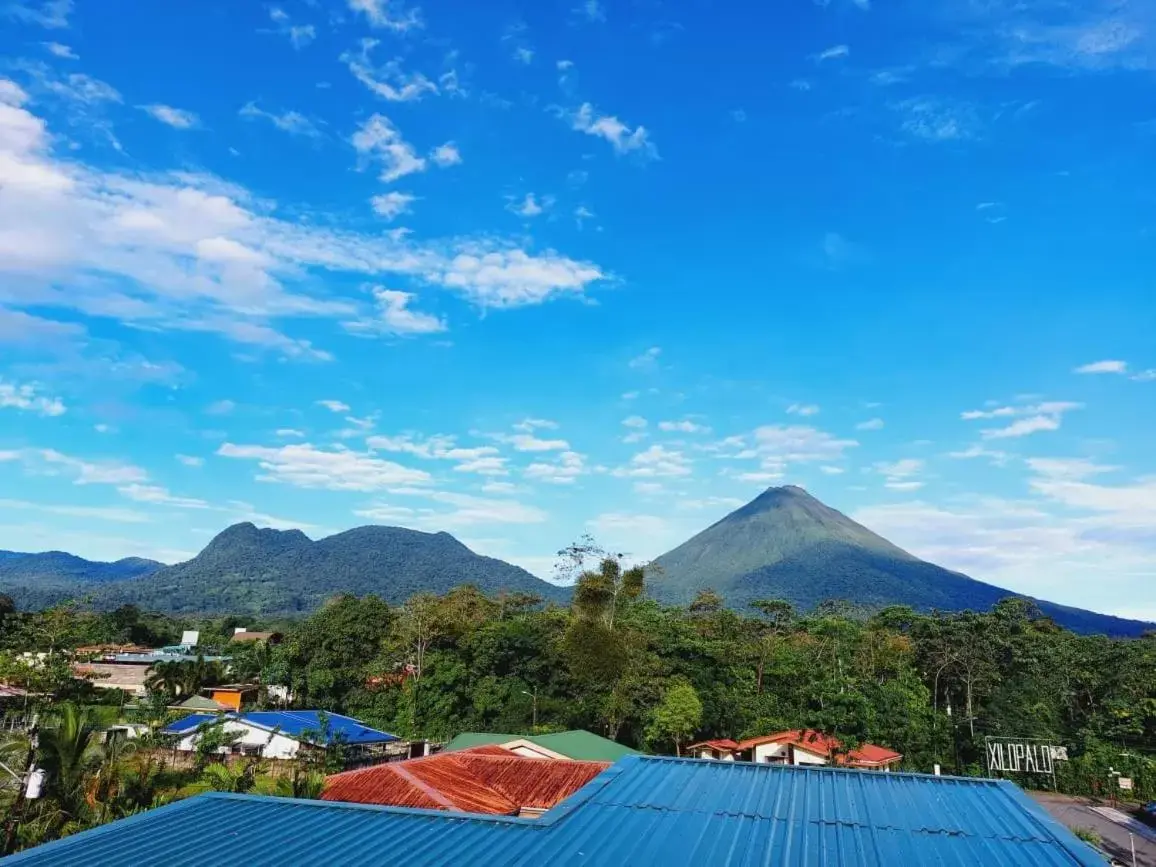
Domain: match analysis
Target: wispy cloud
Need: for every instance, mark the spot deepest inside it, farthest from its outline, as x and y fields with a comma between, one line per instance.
x=870, y=424
x=446, y=155
x=299, y=35
x=392, y=205
x=592, y=11
x=377, y=138
x=648, y=360
x=28, y=398
x=835, y=52
x=389, y=14
x=937, y=120
x=389, y=80
x=530, y=205
x=395, y=315
x=64, y=52
x=622, y=138
x=50, y=14
x=1103, y=367
x=1029, y=418
x=175, y=117
x=803, y=409
x=291, y=122
x=901, y=475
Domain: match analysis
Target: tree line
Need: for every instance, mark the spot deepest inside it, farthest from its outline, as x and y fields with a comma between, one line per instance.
x=930, y=686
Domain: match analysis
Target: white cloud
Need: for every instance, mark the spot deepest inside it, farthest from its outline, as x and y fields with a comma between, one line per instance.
x=899, y=475
x=389, y=80
x=396, y=316
x=99, y=513
x=465, y=510
x=569, y=466
x=379, y=139
x=64, y=52
x=1024, y=546
x=299, y=35
x=291, y=122
x=524, y=55
x=780, y=445
x=527, y=442
x=648, y=360
x=655, y=462
x=191, y=461
x=803, y=409
x=937, y=120
x=870, y=424
x=388, y=14
x=27, y=398
x=1030, y=418
x=513, y=278
x=336, y=406
x=289, y=433
x=581, y=214
x=623, y=139
x=1103, y=367
x=833, y=53
x=446, y=155
x=1067, y=468
x=159, y=496
x=831, y=471
x=51, y=14
x=530, y=206
x=998, y=458
x=532, y=424
x=49, y=462
x=1145, y=375
x=175, y=117
x=634, y=421
x=189, y=252
x=1023, y=427
x=393, y=204
x=801, y=84
x=336, y=469
x=683, y=426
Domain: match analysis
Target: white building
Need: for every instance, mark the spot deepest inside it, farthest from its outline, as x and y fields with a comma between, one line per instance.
x=278, y=734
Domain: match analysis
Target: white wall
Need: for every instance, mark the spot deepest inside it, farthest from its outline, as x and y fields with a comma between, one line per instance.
x=779, y=753
x=271, y=746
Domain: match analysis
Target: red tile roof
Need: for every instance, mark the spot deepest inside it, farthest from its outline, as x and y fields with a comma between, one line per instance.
x=487, y=779
x=824, y=745
x=716, y=744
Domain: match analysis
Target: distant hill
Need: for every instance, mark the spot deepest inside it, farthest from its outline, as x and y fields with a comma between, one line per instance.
x=786, y=544
x=37, y=580
x=278, y=572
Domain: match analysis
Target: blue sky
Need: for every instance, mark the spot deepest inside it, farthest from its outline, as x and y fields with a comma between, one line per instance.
x=524, y=271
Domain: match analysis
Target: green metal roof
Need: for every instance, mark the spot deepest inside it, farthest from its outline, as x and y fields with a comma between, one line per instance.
x=576, y=744
x=199, y=702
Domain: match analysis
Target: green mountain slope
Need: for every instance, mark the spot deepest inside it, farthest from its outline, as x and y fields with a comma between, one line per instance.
x=261, y=571
x=786, y=544
x=36, y=580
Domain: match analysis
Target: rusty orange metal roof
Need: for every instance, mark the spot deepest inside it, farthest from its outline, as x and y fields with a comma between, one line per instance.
x=824, y=745
x=487, y=779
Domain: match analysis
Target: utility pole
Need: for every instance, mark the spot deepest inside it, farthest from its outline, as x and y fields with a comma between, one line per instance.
x=533, y=695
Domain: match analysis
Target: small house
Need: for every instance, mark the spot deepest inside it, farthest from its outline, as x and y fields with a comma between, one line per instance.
x=798, y=747
x=281, y=734
x=576, y=744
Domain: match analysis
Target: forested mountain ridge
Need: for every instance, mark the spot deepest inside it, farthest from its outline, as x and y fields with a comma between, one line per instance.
x=785, y=544
x=35, y=580
x=246, y=570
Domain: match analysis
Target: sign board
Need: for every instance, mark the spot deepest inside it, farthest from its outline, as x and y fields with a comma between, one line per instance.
x=1125, y=783
x=190, y=638
x=1023, y=756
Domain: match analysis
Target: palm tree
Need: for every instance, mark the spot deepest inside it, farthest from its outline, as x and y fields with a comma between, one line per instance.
x=599, y=594
x=65, y=752
x=166, y=677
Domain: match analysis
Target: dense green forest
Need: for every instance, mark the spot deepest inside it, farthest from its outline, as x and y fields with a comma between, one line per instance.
x=655, y=677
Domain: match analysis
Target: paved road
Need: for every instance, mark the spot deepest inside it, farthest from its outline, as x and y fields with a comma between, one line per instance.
x=1112, y=826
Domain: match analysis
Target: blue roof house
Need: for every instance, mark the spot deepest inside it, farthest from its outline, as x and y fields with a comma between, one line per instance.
x=279, y=734
x=643, y=811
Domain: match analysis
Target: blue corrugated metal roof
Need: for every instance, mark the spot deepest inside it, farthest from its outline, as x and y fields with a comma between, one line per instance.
x=301, y=724
x=642, y=811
